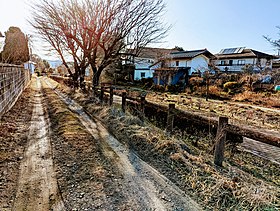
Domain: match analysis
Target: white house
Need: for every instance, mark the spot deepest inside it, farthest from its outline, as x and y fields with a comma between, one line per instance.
x=146, y=58
x=234, y=59
x=30, y=66
x=179, y=65
x=195, y=60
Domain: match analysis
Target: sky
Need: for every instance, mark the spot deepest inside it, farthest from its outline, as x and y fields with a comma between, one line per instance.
x=196, y=24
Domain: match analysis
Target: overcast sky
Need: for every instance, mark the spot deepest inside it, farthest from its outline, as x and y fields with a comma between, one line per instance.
x=196, y=24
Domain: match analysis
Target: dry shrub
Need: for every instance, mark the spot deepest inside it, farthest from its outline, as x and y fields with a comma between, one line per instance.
x=214, y=91
x=266, y=99
x=230, y=86
x=245, y=96
x=273, y=102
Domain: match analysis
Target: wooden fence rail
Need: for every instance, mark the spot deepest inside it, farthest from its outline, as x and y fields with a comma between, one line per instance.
x=248, y=132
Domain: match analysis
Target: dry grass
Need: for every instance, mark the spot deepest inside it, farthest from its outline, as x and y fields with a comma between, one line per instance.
x=233, y=187
x=220, y=189
x=266, y=99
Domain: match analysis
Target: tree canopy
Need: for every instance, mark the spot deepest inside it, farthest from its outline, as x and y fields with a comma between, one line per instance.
x=95, y=33
x=15, y=50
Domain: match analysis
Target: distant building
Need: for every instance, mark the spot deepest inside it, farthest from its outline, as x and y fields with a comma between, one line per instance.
x=234, y=59
x=177, y=66
x=30, y=66
x=145, y=59
x=54, y=63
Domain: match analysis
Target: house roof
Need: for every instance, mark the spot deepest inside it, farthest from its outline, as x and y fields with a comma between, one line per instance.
x=191, y=54
x=242, y=53
x=151, y=53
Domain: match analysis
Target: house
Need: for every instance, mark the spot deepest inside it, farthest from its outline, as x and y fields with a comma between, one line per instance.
x=235, y=59
x=145, y=58
x=30, y=66
x=177, y=66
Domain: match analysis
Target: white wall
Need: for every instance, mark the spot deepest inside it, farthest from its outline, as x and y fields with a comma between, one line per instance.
x=182, y=63
x=236, y=67
x=142, y=65
x=148, y=74
x=199, y=63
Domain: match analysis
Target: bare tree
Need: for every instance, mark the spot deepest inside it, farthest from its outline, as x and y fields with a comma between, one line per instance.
x=274, y=43
x=95, y=32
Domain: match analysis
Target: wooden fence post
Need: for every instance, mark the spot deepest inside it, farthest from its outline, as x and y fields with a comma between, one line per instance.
x=142, y=107
x=170, y=117
x=123, y=101
x=111, y=95
x=207, y=85
x=220, y=141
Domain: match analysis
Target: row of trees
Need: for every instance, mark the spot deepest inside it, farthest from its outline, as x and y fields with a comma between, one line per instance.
x=15, y=50
x=96, y=33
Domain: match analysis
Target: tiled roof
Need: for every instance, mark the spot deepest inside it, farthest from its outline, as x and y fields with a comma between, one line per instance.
x=246, y=53
x=153, y=53
x=191, y=54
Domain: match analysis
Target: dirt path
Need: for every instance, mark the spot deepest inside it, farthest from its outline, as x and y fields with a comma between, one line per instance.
x=37, y=185
x=142, y=185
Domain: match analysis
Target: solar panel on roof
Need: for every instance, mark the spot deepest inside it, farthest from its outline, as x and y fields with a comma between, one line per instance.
x=232, y=50
x=229, y=50
x=239, y=50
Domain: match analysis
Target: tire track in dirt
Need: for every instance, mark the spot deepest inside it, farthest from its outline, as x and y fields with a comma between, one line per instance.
x=37, y=185
x=142, y=185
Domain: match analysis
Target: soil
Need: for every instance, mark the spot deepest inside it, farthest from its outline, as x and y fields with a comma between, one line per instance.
x=37, y=186
x=126, y=183
x=14, y=129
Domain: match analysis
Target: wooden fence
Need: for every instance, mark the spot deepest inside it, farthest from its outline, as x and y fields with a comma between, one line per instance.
x=13, y=80
x=223, y=130
x=221, y=125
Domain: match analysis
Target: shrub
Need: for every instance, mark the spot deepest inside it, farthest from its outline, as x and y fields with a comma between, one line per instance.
x=229, y=86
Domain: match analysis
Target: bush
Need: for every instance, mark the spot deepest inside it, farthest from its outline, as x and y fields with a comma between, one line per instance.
x=229, y=86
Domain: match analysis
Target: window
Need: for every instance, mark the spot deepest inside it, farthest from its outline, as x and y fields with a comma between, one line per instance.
x=223, y=62
x=230, y=62
x=241, y=62
x=142, y=74
x=177, y=63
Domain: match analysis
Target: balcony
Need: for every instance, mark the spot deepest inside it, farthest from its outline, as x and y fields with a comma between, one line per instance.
x=228, y=65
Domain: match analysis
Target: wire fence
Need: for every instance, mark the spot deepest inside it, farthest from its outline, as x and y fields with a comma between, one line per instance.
x=13, y=80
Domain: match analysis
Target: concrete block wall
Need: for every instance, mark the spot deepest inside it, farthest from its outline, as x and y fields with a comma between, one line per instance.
x=13, y=80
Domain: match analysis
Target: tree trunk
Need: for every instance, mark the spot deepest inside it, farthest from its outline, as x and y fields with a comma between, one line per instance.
x=75, y=80
x=82, y=78
x=96, y=75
